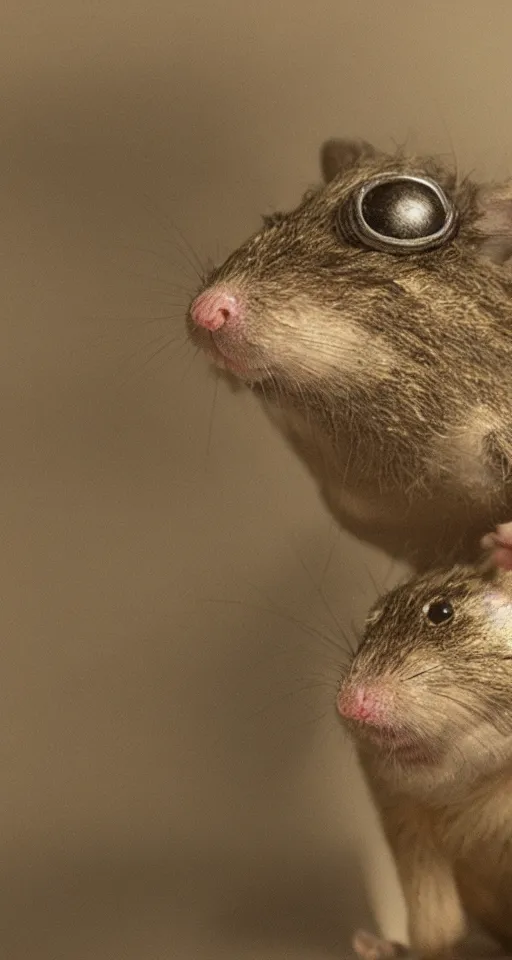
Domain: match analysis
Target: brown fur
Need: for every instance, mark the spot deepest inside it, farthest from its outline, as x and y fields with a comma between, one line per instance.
x=448, y=817
x=389, y=375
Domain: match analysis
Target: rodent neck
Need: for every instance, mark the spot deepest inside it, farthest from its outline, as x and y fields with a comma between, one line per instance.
x=386, y=493
x=439, y=786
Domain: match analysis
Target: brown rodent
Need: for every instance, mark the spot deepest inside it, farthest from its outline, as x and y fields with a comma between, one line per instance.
x=428, y=700
x=388, y=372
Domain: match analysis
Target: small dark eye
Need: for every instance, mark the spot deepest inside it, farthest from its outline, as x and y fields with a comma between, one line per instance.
x=438, y=612
x=398, y=213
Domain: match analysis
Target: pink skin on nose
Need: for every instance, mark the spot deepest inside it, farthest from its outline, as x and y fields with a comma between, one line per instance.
x=215, y=308
x=375, y=711
x=361, y=704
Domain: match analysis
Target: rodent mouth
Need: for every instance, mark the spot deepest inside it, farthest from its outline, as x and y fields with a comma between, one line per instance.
x=413, y=753
x=405, y=751
x=222, y=359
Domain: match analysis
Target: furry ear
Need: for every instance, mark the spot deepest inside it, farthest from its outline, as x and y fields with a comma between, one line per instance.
x=339, y=155
x=494, y=224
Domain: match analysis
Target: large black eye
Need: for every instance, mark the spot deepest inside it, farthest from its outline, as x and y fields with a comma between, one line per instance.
x=398, y=213
x=438, y=612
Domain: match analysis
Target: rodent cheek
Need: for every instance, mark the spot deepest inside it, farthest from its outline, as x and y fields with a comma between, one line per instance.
x=319, y=343
x=498, y=611
x=461, y=446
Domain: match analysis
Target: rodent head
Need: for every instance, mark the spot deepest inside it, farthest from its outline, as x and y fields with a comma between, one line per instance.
x=402, y=350
x=429, y=691
x=307, y=300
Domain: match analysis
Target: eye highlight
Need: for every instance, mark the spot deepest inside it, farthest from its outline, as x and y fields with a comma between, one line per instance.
x=398, y=213
x=438, y=612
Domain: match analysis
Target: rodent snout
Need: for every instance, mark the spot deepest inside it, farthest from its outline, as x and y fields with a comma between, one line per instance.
x=363, y=704
x=370, y=707
x=215, y=308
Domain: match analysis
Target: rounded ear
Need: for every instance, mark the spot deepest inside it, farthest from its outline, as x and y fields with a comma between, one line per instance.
x=339, y=155
x=494, y=224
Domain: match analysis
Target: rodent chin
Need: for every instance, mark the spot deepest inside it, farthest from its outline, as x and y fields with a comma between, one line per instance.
x=406, y=753
x=225, y=362
x=415, y=754
x=224, y=359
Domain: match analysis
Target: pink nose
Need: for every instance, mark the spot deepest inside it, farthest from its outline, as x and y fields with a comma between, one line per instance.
x=361, y=704
x=214, y=308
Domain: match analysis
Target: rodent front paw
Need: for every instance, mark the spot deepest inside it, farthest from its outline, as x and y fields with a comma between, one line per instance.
x=499, y=545
x=369, y=947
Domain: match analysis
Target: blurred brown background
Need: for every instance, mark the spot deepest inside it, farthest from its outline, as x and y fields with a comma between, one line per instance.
x=173, y=780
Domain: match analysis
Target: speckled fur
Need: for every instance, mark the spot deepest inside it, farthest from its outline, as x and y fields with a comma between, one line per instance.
x=448, y=820
x=388, y=375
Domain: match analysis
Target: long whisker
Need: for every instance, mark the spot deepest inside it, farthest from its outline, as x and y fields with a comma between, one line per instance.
x=167, y=342
x=479, y=712
x=421, y=673
x=328, y=558
x=277, y=701
x=305, y=627
x=211, y=419
x=168, y=284
x=189, y=366
x=375, y=586
x=165, y=221
x=355, y=637
x=319, y=590
x=327, y=638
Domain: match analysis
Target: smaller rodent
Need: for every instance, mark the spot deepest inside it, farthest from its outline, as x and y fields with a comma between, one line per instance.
x=428, y=700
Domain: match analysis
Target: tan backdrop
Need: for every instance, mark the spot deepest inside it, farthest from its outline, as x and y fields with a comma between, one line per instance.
x=173, y=780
